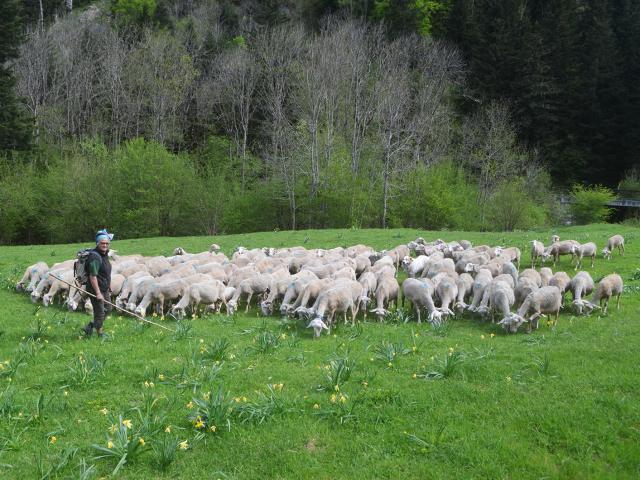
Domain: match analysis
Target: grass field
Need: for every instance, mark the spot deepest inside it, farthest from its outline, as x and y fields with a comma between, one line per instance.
x=393, y=400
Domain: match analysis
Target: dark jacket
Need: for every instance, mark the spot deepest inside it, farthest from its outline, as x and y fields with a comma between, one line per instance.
x=99, y=264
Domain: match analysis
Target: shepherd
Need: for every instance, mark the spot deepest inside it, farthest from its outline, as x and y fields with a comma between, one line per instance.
x=99, y=282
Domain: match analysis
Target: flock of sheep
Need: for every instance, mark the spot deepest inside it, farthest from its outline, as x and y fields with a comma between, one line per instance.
x=317, y=285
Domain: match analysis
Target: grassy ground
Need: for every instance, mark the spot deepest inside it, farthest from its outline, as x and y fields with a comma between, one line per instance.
x=464, y=401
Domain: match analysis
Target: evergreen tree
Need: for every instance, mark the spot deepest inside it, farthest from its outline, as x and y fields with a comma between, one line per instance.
x=14, y=125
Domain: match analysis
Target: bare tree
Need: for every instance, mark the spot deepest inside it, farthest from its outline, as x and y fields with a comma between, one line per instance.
x=232, y=89
x=393, y=116
x=278, y=50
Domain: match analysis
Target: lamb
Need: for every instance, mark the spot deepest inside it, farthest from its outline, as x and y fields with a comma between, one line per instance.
x=586, y=250
x=420, y=294
x=447, y=291
x=617, y=241
x=580, y=285
x=386, y=293
x=210, y=293
x=465, y=289
x=609, y=286
x=32, y=274
x=537, y=250
x=545, y=300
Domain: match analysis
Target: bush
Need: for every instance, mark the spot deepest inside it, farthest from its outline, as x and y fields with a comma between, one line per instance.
x=511, y=208
x=631, y=180
x=589, y=204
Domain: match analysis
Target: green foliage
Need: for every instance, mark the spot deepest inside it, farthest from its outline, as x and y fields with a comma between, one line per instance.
x=510, y=208
x=631, y=180
x=434, y=198
x=589, y=204
x=134, y=11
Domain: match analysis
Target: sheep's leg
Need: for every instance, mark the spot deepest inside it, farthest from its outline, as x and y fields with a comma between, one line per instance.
x=621, y=249
x=618, y=302
x=248, y=302
x=593, y=259
x=418, y=311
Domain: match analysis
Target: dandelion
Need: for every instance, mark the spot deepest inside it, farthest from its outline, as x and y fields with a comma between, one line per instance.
x=184, y=445
x=417, y=335
x=141, y=441
x=333, y=398
x=127, y=423
x=213, y=428
x=190, y=405
x=316, y=406
x=113, y=428
x=278, y=386
x=167, y=429
x=104, y=411
x=237, y=399
x=109, y=444
x=53, y=439
x=201, y=341
x=198, y=423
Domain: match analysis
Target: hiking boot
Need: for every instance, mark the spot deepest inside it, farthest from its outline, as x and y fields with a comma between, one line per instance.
x=88, y=329
x=100, y=332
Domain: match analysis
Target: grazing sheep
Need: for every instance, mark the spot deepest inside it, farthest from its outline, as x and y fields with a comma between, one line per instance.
x=214, y=248
x=501, y=299
x=465, y=289
x=32, y=274
x=420, y=294
x=447, y=291
x=255, y=285
x=545, y=275
x=369, y=283
x=560, y=280
x=609, y=286
x=339, y=299
x=555, y=238
x=159, y=293
x=59, y=286
x=586, y=250
x=483, y=278
x=501, y=281
x=415, y=266
x=537, y=250
x=524, y=287
x=617, y=241
x=510, y=254
x=209, y=293
x=309, y=293
x=532, y=274
x=318, y=325
x=546, y=300
x=580, y=286
x=555, y=250
x=386, y=294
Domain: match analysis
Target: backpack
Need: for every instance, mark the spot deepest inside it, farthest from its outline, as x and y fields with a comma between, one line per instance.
x=81, y=266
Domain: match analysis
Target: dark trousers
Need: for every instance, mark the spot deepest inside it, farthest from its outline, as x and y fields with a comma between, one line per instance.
x=100, y=310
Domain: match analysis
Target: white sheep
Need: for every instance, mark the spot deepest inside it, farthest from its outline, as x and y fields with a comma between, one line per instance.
x=546, y=300
x=386, y=294
x=588, y=249
x=32, y=274
x=581, y=285
x=617, y=241
x=420, y=294
x=537, y=250
x=609, y=286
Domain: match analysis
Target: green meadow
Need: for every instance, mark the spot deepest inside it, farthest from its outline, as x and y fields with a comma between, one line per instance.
x=246, y=396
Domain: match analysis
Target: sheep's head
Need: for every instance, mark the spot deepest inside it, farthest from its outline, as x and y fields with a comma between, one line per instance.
x=406, y=261
x=266, y=307
x=606, y=253
x=46, y=300
x=460, y=306
x=435, y=318
x=318, y=325
x=178, y=312
x=19, y=287
x=555, y=238
x=365, y=300
x=35, y=296
x=446, y=311
x=232, y=305
x=482, y=310
x=141, y=311
x=545, y=256
x=303, y=312
x=379, y=312
x=179, y=251
x=214, y=248
x=470, y=267
x=511, y=323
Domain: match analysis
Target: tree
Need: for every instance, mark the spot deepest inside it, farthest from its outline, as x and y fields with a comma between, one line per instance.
x=14, y=124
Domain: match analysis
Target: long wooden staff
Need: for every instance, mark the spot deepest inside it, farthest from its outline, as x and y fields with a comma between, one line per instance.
x=142, y=319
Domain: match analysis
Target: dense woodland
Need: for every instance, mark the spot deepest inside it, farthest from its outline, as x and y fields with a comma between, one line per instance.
x=167, y=117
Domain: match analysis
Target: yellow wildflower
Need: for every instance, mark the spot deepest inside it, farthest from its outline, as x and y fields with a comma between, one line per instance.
x=104, y=411
x=183, y=445
x=244, y=399
x=141, y=441
x=333, y=398
x=206, y=395
x=113, y=428
x=213, y=428
x=337, y=388
x=161, y=377
x=365, y=383
x=167, y=429
x=343, y=399
x=199, y=423
x=414, y=348
x=389, y=364
x=127, y=423
x=482, y=337
x=283, y=336
x=190, y=405
x=451, y=349
x=415, y=375
x=109, y=444
x=232, y=356
x=154, y=314
x=316, y=406
x=508, y=379
x=53, y=439
x=493, y=335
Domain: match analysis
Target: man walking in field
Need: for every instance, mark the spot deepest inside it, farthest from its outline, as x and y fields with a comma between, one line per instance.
x=99, y=283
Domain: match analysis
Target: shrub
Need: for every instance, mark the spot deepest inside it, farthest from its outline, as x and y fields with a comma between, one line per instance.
x=511, y=208
x=589, y=204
